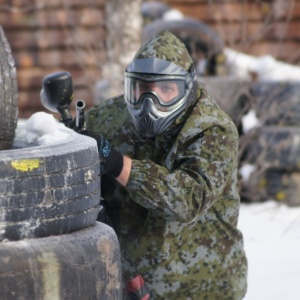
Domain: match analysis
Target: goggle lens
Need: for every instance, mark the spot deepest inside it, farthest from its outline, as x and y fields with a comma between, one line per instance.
x=167, y=90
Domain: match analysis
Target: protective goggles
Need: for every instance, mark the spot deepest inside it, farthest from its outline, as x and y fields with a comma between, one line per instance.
x=168, y=90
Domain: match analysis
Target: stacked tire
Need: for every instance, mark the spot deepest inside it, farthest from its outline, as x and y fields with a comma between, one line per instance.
x=49, y=190
x=51, y=245
x=8, y=94
x=231, y=94
x=80, y=265
x=274, y=147
x=200, y=39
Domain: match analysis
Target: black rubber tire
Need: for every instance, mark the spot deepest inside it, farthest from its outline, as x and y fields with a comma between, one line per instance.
x=281, y=186
x=196, y=35
x=231, y=94
x=272, y=147
x=153, y=10
x=277, y=103
x=49, y=190
x=8, y=94
x=81, y=265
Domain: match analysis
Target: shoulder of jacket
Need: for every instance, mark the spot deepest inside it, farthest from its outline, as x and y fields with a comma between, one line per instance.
x=111, y=103
x=107, y=115
x=206, y=113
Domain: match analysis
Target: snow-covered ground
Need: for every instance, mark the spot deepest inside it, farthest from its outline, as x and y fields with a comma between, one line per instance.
x=272, y=242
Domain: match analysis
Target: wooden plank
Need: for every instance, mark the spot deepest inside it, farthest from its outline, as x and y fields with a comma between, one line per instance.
x=63, y=58
x=89, y=16
x=31, y=99
x=236, y=11
x=29, y=102
x=287, y=52
x=25, y=6
x=250, y=33
x=285, y=31
x=224, y=12
x=49, y=38
x=31, y=78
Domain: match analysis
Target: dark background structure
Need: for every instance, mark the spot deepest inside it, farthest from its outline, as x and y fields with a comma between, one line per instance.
x=46, y=36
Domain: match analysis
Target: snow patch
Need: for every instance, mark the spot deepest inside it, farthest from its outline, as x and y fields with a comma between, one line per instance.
x=250, y=121
x=271, y=233
x=42, y=129
x=269, y=69
x=173, y=14
x=264, y=68
x=246, y=170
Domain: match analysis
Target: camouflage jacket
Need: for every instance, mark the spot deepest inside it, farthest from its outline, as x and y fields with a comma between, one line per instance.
x=177, y=218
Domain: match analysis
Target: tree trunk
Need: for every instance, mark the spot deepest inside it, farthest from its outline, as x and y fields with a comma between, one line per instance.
x=124, y=23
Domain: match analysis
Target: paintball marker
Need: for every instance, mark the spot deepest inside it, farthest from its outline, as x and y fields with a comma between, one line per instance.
x=57, y=95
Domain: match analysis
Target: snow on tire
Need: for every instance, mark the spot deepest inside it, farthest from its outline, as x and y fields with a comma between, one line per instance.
x=235, y=101
x=49, y=190
x=272, y=147
x=8, y=94
x=277, y=102
x=197, y=36
x=81, y=265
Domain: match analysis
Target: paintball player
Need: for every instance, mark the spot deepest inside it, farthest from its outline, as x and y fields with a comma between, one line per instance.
x=169, y=172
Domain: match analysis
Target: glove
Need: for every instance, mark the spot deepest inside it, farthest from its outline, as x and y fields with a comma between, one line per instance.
x=111, y=160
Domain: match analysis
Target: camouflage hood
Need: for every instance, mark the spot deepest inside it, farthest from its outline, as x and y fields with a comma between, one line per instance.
x=158, y=46
x=163, y=57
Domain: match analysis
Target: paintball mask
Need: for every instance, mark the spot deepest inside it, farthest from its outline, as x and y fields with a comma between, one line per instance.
x=156, y=91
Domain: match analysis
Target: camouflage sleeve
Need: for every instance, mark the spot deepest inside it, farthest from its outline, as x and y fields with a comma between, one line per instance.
x=201, y=174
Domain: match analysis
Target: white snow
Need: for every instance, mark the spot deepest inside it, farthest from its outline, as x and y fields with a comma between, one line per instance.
x=250, y=121
x=269, y=69
x=43, y=129
x=266, y=67
x=238, y=63
x=173, y=14
x=272, y=243
x=246, y=171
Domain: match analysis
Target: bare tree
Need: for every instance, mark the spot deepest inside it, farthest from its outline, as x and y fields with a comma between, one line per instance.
x=124, y=23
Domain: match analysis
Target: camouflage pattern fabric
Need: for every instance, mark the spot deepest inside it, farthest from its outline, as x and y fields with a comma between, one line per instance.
x=176, y=219
x=166, y=46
